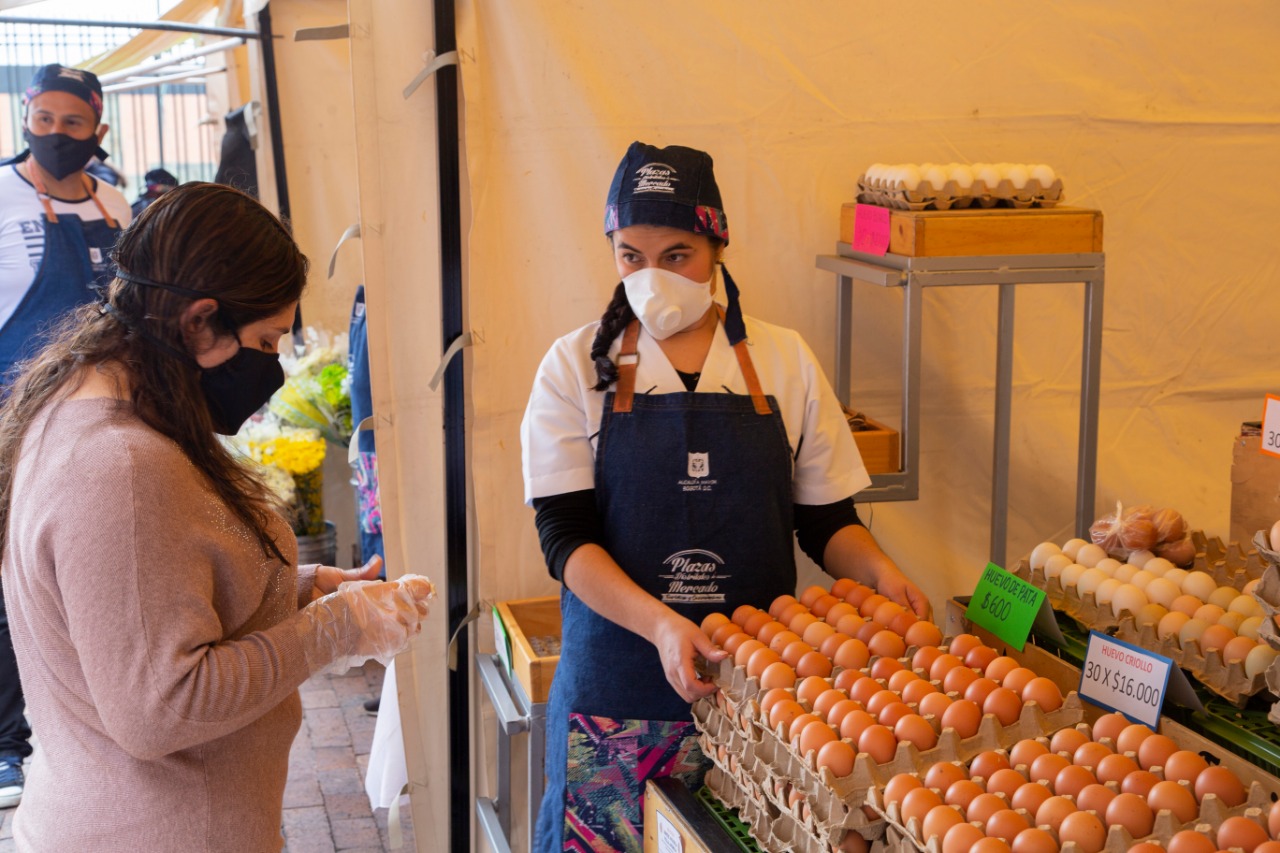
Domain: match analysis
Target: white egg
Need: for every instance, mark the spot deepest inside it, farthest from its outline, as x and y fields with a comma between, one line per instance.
x=961, y=174
x=1089, y=555
x=1151, y=614
x=874, y=172
x=1071, y=575
x=1161, y=590
x=1018, y=175
x=1191, y=630
x=1199, y=584
x=1106, y=591
x=1128, y=597
x=1054, y=565
x=1223, y=596
x=1259, y=660
x=1108, y=566
x=989, y=176
x=936, y=176
x=1125, y=572
x=1141, y=578
x=1140, y=558
x=1089, y=581
x=1245, y=605
x=1171, y=624
x=1176, y=576
x=1232, y=621
x=1042, y=552
x=910, y=178
x=1071, y=546
x=1249, y=627
x=1156, y=565
x=1043, y=174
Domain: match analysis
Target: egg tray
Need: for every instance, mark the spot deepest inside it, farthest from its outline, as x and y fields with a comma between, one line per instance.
x=894, y=194
x=1227, y=680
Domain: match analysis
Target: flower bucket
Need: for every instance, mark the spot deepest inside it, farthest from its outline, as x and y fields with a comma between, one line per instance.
x=321, y=549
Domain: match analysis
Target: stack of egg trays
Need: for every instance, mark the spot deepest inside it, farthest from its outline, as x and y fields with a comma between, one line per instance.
x=953, y=196
x=1268, y=594
x=906, y=835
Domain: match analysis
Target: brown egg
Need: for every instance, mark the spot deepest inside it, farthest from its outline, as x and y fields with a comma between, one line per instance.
x=1033, y=840
x=835, y=714
x=899, y=680
x=1047, y=768
x=978, y=689
x=1005, y=781
x=852, y=654
x=868, y=630
x=869, y=605
x=1085, y=830
x=743, y=651
x=991, y=845
x=742, y=613
x=761, y=660
x=902, y=623
x=922, y=634
x=854, y=724
x=939, y=820
x=1190, y=841
x=962, y=838
x=841, y=587
x=801, y=621
x=980, y=657
x=1268, y=847
x=924, y=657
x=1237, y=648
x=1146, y=847
x=985, y=764
x=1110, y=726
x=1026, y=751
x=837, y=756
x=1030, y=796
x=914, y=728
x=832, y=643
x=1095, y=798
x=963, y=716
x=878, y=742
x=1091, y=754
x=780, y=604
x=783, y=713
x=1240, y=832
x=1216, y=637
x=1052, y=812
x=1222, y=783
x=1113, y=768
x=811, y=594
x=733, y=642
x=943, y=664
x=824, y=603
x=961, y=644
x=1173, y=797
x=885, y=613
x=915, y=691
x=983, y=807
x=962, y=793
x=1132, y=737
x=712, y=621
x=846, y=678
x=1017, y=679
x=726, y=631
x=782, y=639
x=899, y=785
x=1005, y=825
x=816, y=735
x=1184, y=765
x=877, y=702
x=999, y=668
x=769, y=631
x=797, y=727
x=794, y=651
x=1131, y=812
x=1044, y=693
x=850, y=624
x=777, y=674
x=1273, y=819
x=837, y=612
x=769, y=698
x=1004, y=705
x=827, y=700
x=810, y=688
x=756, y=621
x=817, y=633
x=944, y=774
x=935, y=704
x=1155, y=751
x=864, y=688
x=887, y=644
x=1072, y=779
x=893, y=712
x=884, y=668
x=1139, y=782
x=1067, y=740
x=959, y=679
x=858, y=594
x=917, y=803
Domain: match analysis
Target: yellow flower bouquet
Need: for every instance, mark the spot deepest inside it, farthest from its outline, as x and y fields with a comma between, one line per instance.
x=279, y=449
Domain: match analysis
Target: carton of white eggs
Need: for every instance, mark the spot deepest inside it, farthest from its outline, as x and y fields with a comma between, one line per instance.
x=933, y=186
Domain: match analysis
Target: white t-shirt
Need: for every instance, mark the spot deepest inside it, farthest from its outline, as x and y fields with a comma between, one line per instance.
x=558, y=433
x=22, y=230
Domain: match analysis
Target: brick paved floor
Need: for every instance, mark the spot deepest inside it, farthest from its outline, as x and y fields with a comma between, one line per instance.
x=325, y=807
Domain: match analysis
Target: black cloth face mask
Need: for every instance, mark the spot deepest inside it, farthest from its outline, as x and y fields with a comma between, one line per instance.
x=59, y=154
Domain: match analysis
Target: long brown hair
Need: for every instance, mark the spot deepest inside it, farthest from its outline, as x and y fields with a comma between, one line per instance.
x=206, y=238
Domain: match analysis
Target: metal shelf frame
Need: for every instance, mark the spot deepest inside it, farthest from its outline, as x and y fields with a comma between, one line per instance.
x=516, y=715
x=1007, y=272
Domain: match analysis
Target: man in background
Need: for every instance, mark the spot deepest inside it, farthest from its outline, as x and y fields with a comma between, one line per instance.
x=156, y=183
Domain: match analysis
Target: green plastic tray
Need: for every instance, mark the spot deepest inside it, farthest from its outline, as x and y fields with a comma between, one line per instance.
x=728, y=820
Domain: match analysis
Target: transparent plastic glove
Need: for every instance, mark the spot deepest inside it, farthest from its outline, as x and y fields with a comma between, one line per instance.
x=364, y=620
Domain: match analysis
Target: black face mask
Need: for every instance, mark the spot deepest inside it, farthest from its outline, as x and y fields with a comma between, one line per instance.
x=61, y=155
x=240, y=386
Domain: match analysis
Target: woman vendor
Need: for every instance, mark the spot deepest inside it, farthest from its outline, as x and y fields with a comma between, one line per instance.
x=670, y=450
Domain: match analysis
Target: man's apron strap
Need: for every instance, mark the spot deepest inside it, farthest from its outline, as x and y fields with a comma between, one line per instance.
x=41, y=192
x=627, y=359
x=88, y=186
x=749, y=375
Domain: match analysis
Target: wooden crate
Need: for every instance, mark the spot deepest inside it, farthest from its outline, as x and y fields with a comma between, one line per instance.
x=879, y=448
x=522, y=619
x=986, y=231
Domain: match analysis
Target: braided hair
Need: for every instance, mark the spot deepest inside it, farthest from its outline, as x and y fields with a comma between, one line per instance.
x=616, y=317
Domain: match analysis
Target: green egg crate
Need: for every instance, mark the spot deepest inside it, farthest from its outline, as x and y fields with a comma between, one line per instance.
x=1245, y=731
x=728, y=820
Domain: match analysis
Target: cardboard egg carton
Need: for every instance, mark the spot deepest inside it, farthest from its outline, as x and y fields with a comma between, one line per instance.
x=953, y=196
x=1228, y=680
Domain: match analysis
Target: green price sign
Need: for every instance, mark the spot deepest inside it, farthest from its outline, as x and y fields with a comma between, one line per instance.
x=1005, y=605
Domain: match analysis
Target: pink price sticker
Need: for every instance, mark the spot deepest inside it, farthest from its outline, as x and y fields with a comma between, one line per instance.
x=1271, y=426
x=871, y=229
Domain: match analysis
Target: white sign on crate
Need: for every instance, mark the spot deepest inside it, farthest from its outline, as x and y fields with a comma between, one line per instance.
x=1123, y=677
x=1271, y=425
x=669, y=840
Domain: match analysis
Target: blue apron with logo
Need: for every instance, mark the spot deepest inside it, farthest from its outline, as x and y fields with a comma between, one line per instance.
x=694, y=491
x=75, y=265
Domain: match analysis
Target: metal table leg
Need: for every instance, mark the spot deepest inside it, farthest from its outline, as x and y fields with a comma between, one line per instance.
x=844, y=337
x=1091, y=371
x=1004, y=408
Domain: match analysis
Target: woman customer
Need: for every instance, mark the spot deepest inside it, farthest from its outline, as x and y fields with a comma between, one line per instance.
x=670, y=449
x=161, y=624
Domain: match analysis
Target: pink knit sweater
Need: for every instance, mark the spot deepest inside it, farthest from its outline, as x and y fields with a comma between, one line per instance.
x=159, y=650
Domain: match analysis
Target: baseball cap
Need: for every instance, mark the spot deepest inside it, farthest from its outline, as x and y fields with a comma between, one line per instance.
x=673, y=186
x=59, y=78
x=160, y=178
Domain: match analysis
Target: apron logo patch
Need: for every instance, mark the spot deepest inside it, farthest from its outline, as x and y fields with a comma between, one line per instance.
x=693, y=576
x=699, y=464
x=95, y=254
x=699, y=474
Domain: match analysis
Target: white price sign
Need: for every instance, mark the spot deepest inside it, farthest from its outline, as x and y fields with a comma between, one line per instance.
x=669, y=840
x=1271, y=425
x=1125, y=678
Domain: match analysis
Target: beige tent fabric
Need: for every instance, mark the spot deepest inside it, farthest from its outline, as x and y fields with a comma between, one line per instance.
x=1155, y=113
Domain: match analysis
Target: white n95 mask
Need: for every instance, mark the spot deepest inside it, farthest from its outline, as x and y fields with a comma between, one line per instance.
x=666, y=302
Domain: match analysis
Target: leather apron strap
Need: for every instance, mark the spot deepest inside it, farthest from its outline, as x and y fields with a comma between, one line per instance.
x=88, y=187
x=748, y=369
x=41, y=192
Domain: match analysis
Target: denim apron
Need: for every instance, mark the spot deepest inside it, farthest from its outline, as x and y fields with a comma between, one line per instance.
x=694, y=491
x=365, y=468
x=75, y=265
